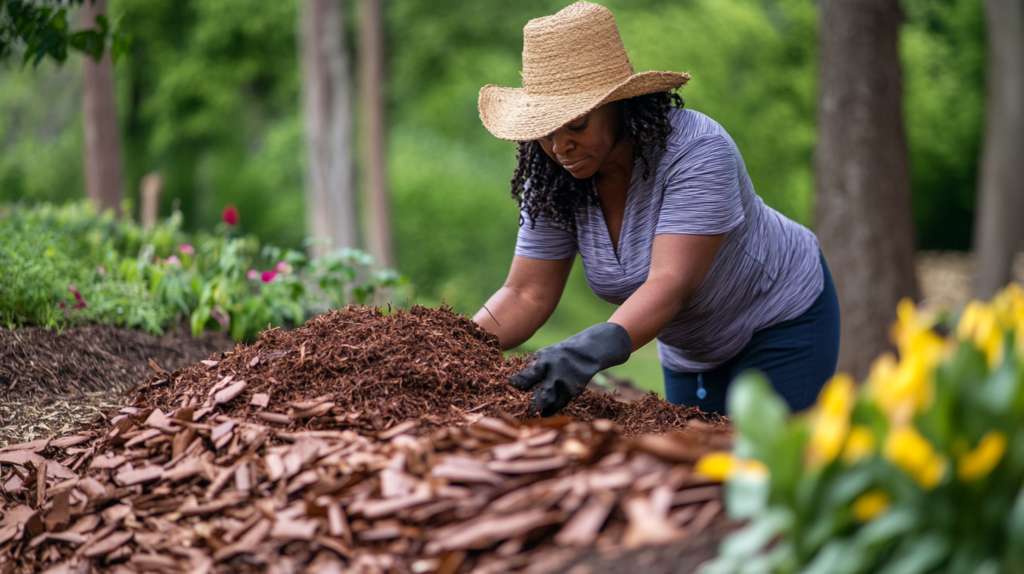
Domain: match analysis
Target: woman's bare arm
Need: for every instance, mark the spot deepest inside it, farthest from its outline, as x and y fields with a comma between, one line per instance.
x=526, y=300
x=679, y=264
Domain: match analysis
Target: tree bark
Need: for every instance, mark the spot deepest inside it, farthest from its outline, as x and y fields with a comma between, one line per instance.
x=863, y=184
x=330, y=197
x=1000, y=212
x=103, y=171
x=371, y=56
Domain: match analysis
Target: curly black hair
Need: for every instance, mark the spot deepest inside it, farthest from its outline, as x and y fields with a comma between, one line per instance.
x=555, y=195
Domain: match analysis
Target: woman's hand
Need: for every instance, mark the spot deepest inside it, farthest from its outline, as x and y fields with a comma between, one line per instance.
x=527, y=299
x=561, y=372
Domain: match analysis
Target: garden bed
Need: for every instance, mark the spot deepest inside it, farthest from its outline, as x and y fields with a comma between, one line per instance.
x=368, y=441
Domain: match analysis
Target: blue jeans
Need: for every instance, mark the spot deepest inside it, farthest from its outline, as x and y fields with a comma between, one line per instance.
x=798, y=356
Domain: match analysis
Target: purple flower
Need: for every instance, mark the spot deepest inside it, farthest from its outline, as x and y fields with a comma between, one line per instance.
x=186, y=249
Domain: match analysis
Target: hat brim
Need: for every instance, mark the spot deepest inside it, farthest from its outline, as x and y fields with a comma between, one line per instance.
x=515, y=115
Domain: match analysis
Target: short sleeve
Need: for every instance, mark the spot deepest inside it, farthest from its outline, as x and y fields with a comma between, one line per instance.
x=702, y=190
x=544, y=240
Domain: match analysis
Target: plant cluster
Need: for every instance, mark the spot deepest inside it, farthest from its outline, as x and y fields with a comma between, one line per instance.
x=67, y=265
x=910, y=472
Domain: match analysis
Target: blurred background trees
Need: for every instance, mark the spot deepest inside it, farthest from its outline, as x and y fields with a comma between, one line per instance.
x=211, y=97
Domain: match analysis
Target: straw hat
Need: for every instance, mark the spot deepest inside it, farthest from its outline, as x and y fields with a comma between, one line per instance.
x=573, y=62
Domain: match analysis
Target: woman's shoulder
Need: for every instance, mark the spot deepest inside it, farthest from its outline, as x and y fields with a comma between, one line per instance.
x=689, y=125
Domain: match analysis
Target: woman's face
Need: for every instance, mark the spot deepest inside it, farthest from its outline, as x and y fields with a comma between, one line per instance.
x=582, y=146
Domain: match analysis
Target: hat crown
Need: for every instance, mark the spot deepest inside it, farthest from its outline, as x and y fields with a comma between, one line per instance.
x=577, y=50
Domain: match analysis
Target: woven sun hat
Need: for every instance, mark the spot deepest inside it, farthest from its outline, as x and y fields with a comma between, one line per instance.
x=573, y=62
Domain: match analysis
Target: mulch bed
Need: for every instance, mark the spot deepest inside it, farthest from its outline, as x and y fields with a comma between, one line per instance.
x=360, y=442
x=41, y=362
x=53, y=382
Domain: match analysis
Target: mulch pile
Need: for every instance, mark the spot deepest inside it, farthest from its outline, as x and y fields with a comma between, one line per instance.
x=360, y=442
x=361, y=367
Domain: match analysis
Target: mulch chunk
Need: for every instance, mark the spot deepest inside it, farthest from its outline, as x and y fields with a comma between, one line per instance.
x=358, y=365
x=363, y=443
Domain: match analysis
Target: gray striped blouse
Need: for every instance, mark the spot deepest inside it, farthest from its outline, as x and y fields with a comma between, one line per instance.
x=767, y=270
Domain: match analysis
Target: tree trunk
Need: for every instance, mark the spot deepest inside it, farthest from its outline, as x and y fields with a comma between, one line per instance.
x=103, y=171
x=863, y=183
x=1000, y=210
x=330, y=197
x=371, y=48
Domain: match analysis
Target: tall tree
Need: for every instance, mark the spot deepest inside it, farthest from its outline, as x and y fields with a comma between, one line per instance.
x=863, y=184
x=103, y=169
x=997, y=227
x=371, y=60
x=330, y=196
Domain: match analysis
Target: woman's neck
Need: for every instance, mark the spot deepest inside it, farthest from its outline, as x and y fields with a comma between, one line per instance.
x=616, y=172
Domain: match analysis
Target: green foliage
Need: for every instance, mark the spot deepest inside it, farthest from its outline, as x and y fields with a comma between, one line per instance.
x=67, y=266
x=943, y=50
x=41, y=29
x=913, y=472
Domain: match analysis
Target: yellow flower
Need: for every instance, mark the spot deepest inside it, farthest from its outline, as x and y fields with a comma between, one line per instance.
x=980, y=461
x=980, y=325
x=906, y=387
x=871, y=504
x=860, y=444
x=722, y=466
x=830, y=420
x=914, y=455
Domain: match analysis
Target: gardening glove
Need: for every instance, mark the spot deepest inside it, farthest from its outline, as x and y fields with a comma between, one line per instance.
x=560, y=372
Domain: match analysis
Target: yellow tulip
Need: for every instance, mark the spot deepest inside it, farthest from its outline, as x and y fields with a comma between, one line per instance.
x=980, y=324
x=717, y=465
x=830, y=420
x=871, y=504
x=860, y=444
x=914, y=455
x=979, y=462
x=722, y=466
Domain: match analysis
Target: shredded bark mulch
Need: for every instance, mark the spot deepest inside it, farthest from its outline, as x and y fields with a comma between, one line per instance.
x=363, y=443
x=360, y=366
x=37, y=362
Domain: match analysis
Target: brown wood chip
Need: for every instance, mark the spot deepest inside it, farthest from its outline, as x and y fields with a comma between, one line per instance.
x=107, y=545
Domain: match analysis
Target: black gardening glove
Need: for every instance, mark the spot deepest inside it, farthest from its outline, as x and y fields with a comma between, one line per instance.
x=561, y=372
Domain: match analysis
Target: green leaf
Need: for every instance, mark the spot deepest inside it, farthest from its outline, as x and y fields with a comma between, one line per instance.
x=919, y=555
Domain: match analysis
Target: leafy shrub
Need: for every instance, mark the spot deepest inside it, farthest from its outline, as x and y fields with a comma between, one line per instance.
x=67, y=265
x=909, y=473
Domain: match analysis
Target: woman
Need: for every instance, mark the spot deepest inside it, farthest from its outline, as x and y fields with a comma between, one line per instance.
x=657, y=202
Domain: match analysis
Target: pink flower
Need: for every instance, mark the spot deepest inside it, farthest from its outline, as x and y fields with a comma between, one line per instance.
x=230, y=215
x=186, y=249
x=283, y=268
x=102, y=271
x=72, y=289
x=220, y=316
x=268, y=276
x=61, y=304
x=252, y=275
x=173, y=260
